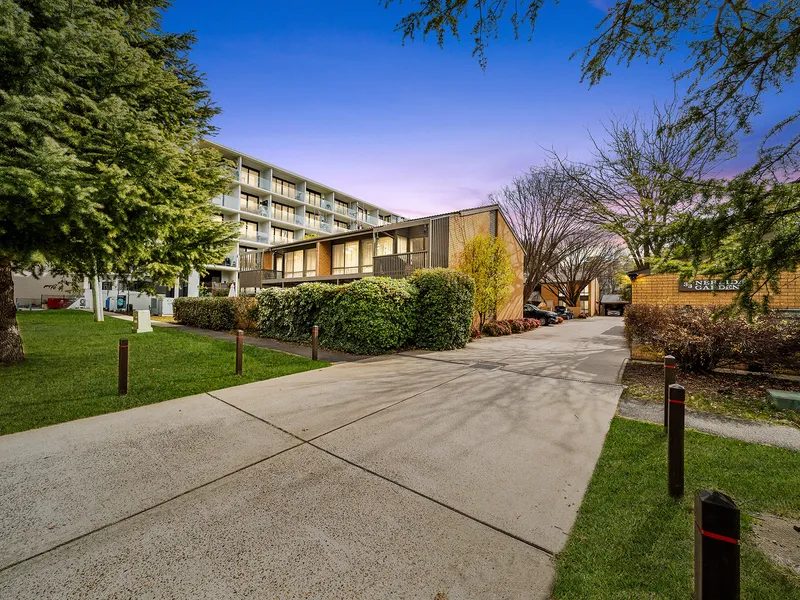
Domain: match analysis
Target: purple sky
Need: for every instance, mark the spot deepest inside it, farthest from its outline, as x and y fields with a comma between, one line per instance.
x=326, y=89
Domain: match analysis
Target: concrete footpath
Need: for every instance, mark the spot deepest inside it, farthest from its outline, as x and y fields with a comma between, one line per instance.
x=421, y=475
x=757, y=432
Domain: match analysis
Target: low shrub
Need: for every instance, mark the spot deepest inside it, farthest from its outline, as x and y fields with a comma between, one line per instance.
x=374, y=315
x=218, y=314
x=443, y=308
x=245, y=312
x=474, y=332
x=560, y=320
x=290, y=313
x=531, y=324
x=702, y=339
x=583, y=315
x=496, y=329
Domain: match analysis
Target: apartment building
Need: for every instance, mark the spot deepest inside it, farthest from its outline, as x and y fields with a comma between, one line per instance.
x=274, y=206
x=390, y=250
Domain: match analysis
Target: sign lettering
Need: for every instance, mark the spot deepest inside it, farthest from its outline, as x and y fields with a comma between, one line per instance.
x=709, y=285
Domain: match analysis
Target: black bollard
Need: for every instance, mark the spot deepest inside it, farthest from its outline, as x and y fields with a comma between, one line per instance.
x=669, y=379
x=122, y=383
x=716, y=547
x=677, y=397
x=315, y=343
x=239, y=344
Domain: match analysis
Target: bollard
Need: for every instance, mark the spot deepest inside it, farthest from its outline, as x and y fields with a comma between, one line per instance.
x=716, y=547
x=239, y=344
x=122, y=384
x=677, y=397
x=315, y=343
x=669, y=379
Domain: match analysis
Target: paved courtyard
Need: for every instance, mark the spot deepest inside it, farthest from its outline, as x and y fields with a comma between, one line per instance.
x=423, y=475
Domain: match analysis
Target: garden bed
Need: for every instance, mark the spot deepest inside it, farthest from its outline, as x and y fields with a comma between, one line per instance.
x=737, y=395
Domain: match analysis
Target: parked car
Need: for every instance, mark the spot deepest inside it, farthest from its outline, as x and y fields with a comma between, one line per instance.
x=529, y=311
x=614, y=312
x=563, y=311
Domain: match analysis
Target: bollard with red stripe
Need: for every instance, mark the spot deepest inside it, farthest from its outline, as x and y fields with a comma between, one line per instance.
x=239, y=348
x=669, y=379
x=677, y=397
x=716, y=547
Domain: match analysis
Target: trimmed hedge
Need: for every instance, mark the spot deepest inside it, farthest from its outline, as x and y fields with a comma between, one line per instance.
x=218, y=314
x=509, y=326
x=375, y=315
x=443, y=309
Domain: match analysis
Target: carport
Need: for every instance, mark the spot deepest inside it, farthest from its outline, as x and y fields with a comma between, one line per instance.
x=612, y=302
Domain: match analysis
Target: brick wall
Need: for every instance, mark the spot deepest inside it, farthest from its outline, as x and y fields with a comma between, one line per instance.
x=324, y=258
x=662, y=289
x=464, y=228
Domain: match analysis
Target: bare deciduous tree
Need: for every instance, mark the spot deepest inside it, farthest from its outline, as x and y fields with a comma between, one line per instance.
x=542, y=208
x=645, y=174
x=587, y=255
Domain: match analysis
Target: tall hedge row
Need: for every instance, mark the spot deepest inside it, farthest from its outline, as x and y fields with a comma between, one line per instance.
x=443, y=310
x=374, y=315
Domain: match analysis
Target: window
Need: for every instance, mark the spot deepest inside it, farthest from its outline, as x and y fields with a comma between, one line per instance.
x=250, y=176
x=314, y=198
x=283, y=212
x=248, y=229
x=339, y=226
x=313, y=220
x=384, y=246
x=340, y=207
x=293, y=264
x=402, y=244
x=362, y=214
x=281, y=236
x=283, y=187
x=310, y=258
x=345, y=258
x=367, y=248
x=417, y=244
x=248, y=203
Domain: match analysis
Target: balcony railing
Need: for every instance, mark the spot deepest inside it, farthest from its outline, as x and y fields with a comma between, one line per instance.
x=399, y=265
x=255, y=277
x=280, y=239
x=286, y=217
x=229, y=261
x=253, y=181
x=342, y=210
x=227, y=201
x=255, y=236
x=256, y=209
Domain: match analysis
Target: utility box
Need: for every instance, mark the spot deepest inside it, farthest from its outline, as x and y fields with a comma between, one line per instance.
x=784, y=399
x=141, y=321
x=161, y=306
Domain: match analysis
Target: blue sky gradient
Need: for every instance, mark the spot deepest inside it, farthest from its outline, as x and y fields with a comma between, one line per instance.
x=328, y=90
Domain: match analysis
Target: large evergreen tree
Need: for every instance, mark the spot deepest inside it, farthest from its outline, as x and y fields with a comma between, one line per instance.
x=100, y=171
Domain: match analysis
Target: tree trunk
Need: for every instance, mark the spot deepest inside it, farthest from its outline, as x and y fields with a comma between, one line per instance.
x=10, y=340
x=97, y=303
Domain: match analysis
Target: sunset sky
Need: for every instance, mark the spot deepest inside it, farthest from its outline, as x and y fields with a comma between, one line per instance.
x=328, y=90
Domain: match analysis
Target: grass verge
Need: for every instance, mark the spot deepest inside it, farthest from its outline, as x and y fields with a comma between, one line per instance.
x=730, y=394
x=71, y=368
x=631, y=540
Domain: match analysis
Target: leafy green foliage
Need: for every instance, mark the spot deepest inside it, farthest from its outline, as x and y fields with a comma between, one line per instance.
x=443, y=310
x=100, y=115
x=290, y=313
x=701, y=340
x=218, y=314
x=487, y=261
x=374, y=315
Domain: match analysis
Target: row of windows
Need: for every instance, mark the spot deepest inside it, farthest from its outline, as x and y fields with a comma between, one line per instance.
x=300, y=263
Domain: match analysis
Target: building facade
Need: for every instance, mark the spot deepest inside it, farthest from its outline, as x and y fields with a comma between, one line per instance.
x=667, y=289
x=589, y=301
x=274, y=206
x=390, y=250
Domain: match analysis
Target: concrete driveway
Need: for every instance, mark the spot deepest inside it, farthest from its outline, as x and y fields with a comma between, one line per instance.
x=425, y=475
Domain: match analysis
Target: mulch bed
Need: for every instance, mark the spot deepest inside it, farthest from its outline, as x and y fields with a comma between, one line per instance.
x=736, y=395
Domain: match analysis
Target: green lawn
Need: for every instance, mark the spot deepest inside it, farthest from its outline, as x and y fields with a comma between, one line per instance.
x=631, y=540
x=71, y=368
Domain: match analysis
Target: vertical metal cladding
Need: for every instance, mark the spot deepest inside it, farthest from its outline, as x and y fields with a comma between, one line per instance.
x=439, y=240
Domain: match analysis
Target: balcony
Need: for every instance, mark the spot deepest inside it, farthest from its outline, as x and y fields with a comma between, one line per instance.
x=254, y=236
x=253, y=181
x=286, y=217
x=254, y=209
x=281, y=239
x=227, y=201
x=255, y=277
x=229, y=261
x=399, y=265
x=342, y=210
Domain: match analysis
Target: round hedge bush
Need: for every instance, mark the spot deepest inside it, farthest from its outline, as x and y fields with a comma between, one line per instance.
x=443, y=308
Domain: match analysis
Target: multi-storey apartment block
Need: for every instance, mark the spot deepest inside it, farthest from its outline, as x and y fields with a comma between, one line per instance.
x=274, y=206
x=391, y=250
